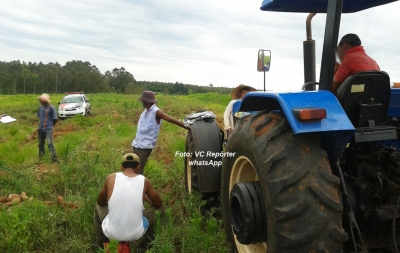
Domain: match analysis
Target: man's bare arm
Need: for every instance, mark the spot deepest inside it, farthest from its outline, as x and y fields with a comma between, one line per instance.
x=337, y=65
x=146, y=199
x=166, y=117
x=152, y=194
x=102, y=199
x=336, y=85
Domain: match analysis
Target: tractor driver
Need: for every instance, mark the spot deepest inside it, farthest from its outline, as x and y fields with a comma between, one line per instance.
x=353, y=59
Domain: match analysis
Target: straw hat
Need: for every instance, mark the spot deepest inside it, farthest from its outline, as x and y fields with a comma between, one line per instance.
x=235, y=94
x=45, y=98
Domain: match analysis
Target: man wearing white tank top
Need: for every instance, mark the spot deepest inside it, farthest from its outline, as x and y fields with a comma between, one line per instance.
x=149, y=126
x=119, y=212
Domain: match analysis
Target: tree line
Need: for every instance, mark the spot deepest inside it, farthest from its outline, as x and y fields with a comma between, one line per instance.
x=26, y=78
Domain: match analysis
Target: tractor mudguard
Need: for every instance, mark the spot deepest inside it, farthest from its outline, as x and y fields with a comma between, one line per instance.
x=336, y=129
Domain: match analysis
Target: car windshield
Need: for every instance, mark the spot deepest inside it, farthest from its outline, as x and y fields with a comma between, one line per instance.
x=73, y=99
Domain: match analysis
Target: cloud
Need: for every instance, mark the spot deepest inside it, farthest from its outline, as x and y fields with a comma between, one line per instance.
x=198, y=42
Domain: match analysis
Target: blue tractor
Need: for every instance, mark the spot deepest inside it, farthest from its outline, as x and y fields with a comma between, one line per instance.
x=309, y=171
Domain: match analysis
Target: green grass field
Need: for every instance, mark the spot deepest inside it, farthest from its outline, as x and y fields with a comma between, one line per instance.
x=90, y=149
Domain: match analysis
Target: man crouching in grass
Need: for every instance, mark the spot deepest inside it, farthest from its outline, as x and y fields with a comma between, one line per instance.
x=119, y=213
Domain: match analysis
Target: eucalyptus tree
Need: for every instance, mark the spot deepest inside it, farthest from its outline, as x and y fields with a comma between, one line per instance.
x=34, y=80
x=25, y=75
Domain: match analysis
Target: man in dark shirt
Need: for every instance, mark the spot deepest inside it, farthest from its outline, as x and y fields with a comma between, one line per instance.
x=353, y=59
x=47, y=115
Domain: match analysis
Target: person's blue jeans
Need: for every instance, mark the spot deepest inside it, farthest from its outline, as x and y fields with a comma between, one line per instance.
x=43, y=137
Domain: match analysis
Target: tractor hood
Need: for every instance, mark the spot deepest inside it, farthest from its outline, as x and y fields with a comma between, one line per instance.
x=319, y=6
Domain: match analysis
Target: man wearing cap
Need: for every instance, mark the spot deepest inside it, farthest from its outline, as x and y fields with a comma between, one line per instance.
x=148, y=127
x=119, y=213
x=236, y=94
x=353, y=59
x=47, y=115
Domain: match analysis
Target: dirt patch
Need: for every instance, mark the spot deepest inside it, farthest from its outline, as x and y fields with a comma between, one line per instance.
x=15, y=199
x=42, y=169
x=161, y=153
x=264, y=127
x=115, y=114
x=32, y=136
x=63, y=130
x=261, y=125
x=59, y=131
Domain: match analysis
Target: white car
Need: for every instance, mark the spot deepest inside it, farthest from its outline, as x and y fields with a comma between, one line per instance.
x=74, y=103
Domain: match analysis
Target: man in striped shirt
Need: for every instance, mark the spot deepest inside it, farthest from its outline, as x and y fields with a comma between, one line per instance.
x=353, y=59
x=47, y=115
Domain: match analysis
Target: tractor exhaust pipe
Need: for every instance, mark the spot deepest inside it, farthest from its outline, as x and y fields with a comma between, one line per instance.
x=308, y=25
x=309, y=55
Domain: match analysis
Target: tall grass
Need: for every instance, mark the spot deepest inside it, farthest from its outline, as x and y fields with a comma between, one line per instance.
x=90, y=149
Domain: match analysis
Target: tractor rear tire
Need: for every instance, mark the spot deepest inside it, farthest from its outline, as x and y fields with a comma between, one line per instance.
x=190, y=170
x=203, y=137
x=299, y=193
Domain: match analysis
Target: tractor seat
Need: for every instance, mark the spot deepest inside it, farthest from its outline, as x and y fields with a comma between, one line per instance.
x=365, y=98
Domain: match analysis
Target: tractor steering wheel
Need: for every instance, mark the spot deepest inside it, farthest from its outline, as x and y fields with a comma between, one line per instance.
x=308, y=84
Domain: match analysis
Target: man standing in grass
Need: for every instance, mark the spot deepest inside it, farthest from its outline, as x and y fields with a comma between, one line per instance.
x=148, y=127
x=47, y=115
x=237, y=93
x=119, y=213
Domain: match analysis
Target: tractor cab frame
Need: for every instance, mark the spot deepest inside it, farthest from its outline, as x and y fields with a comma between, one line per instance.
x=334, y=10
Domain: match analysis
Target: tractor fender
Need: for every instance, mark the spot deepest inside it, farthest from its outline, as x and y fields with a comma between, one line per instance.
x=336, y=129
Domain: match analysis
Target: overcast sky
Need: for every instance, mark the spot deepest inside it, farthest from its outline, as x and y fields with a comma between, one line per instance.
x=197, y=42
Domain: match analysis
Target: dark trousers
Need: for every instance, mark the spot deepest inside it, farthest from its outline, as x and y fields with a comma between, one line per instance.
x=43, y=137
x=143, y=156
x=100, y=212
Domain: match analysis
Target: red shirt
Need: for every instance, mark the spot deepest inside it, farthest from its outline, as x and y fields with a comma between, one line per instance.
x=355, y=60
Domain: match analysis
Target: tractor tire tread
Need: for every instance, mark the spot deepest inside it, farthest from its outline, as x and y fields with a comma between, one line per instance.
x=190, y=148
x=303, y=196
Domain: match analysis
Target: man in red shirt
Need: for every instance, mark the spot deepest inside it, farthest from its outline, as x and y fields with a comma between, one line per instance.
x=353, y=59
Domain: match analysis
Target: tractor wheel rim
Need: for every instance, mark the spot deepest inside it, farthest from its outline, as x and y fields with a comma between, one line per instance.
x=189, y=174
x=243, y=171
